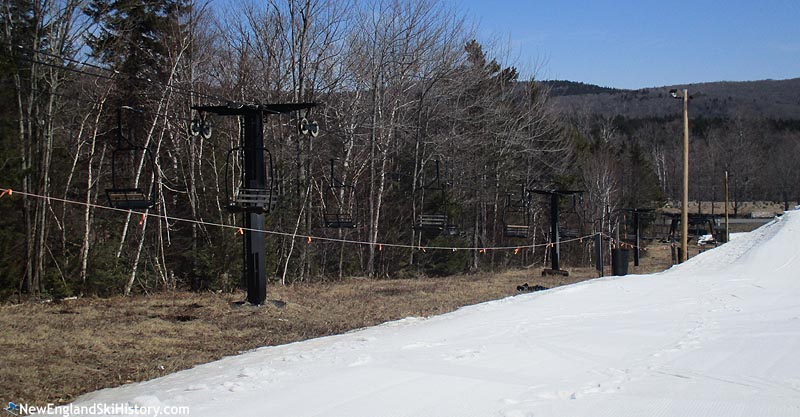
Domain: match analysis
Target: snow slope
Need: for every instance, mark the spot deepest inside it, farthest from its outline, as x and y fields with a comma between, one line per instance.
x=716, y=336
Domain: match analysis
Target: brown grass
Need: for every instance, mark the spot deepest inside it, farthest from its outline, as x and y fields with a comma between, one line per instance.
x=55, y=351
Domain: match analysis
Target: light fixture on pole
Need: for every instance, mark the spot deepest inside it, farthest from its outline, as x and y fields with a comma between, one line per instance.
x=684, y=95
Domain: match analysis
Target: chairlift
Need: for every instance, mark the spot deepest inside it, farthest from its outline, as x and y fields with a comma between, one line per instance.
x=516, y=215
x=242, y=197
x=340, y=204
x=436, y=219
x=130, y=163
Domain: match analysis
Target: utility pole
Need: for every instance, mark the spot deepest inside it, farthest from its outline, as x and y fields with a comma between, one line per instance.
x=685, y=203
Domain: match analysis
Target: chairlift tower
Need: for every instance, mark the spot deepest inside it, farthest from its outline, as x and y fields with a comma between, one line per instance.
x=254, y=178
x=637, y=230
x=555, y=237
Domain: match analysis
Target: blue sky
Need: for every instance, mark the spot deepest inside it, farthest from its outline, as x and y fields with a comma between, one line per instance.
x=636, y=44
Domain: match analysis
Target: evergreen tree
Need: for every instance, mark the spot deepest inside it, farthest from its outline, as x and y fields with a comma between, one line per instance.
x=131, y=40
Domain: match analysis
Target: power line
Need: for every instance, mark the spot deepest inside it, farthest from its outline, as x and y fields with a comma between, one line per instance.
x=183, y=90
x=98, y=103
x=178, y=90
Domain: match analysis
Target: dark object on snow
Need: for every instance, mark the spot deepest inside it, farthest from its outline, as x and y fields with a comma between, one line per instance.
x=527, y=288
x=619, y=262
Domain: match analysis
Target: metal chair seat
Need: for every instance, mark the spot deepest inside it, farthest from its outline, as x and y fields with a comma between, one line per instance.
x=513, y=230
x=129, y=198
x=431, y=222
x=339, y=221
x=253, y=200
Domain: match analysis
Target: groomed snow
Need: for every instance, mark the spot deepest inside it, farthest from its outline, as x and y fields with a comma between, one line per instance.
x=716, y=336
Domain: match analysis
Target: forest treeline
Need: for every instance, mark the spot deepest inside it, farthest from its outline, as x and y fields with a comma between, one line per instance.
x=415, y=117
x=764, y=99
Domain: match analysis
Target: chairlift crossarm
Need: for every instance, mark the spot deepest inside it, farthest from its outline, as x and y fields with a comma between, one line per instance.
x=240, y=109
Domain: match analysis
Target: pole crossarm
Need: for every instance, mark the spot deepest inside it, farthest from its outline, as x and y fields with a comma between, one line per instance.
x=241, y=109
x=562, y=193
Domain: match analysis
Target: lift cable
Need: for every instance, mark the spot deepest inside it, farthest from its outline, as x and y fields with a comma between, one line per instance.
x=309, y=238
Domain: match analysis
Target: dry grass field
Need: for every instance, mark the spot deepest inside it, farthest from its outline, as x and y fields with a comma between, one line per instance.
x=55, y=351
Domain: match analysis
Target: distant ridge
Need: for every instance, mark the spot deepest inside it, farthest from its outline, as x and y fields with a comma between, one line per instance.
x=771, y=99
x=572, y=88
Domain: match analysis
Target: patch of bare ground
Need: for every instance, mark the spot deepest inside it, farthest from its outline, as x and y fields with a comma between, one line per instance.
x=54, y=351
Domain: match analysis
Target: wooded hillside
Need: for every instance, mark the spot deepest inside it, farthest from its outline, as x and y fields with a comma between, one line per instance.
x=417, y=117
x=765, y=99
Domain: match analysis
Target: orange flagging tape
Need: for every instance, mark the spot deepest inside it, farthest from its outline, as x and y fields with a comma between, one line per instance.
x=380, y=247
x=7, y=191
x=516, y=251
x=309, y=240
x=141, y=221
x=240, y=231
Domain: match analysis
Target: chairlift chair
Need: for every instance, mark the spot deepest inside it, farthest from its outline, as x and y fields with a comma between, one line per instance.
x=130, y=163
x=436, y=220
x=516, y=216
x=242, y=198
x=340, y=204
x=124, y=195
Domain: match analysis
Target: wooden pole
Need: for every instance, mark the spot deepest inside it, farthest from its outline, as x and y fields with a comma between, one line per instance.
x=685, y=204
x=727, y=230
